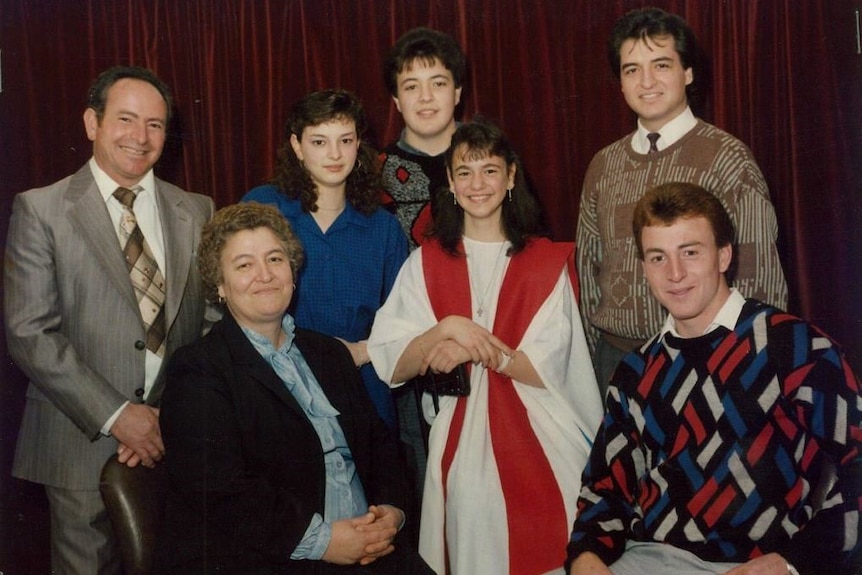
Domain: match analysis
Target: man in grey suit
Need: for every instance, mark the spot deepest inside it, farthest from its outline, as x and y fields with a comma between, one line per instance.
x=77, y=321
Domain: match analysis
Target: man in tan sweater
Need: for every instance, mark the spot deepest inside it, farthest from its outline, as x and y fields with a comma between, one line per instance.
x=653, y=53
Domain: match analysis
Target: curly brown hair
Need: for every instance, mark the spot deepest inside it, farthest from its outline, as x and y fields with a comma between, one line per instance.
x=236, y=218
x=363, y=185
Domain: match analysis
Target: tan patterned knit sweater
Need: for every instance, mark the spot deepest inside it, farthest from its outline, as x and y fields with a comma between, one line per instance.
x=615, y=297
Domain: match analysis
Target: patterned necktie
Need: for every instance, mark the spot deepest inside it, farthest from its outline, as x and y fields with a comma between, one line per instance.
x=145, y=274
x=653, y=138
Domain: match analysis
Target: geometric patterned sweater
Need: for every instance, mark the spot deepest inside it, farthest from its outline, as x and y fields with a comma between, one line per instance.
x=730, y=445
x=615, y=297
x=411, y=182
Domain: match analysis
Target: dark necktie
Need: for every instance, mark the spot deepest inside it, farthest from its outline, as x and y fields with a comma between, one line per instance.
x=144, y=272
x=653, y=138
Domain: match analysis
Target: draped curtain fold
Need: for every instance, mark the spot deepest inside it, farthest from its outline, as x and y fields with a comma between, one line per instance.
x=782, y=75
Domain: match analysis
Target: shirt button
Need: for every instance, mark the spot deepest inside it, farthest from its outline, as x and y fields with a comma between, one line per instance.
x=140, y=345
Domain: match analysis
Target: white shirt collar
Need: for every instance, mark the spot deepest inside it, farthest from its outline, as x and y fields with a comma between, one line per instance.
x=107, y=185
x=727, y=316
x=670, y=132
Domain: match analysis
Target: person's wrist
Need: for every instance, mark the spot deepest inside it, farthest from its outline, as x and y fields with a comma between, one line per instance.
x=402, y=516
x=507, y=363
x=362, y=356
x=511, y=363
x=504, y=362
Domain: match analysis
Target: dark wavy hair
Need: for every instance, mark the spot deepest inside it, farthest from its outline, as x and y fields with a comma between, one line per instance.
x=667, y=203
x=97, y=94
x=427, y=46
x=235, y=218
x=363, y=184
x=521, y=217
x=655, y=23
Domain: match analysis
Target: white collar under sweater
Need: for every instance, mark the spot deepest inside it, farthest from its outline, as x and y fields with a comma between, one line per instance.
x=727, y=316
x=670, y=132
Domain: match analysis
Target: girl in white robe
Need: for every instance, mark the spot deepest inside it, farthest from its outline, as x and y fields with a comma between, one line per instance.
x=479, y=513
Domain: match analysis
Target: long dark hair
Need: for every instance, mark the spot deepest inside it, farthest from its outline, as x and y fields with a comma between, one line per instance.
x=363, y=185
x=521, y=216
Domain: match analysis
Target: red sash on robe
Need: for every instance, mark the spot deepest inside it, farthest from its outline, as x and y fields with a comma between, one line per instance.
x=535, y=510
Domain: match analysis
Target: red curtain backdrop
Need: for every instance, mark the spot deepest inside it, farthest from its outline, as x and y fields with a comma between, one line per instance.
x=784, y=76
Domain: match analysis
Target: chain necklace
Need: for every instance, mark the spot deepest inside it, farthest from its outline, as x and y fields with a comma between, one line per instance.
x=480, y=310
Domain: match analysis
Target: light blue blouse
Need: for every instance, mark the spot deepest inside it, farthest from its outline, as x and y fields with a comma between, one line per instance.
x=345, y=496
x=348, y=272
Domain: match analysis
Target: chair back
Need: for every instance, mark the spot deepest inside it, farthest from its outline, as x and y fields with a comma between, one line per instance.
x=135, y=500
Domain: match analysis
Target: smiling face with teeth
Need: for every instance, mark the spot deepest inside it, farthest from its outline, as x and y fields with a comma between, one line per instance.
x=129, y=137
x=685, y=270
x=653, y=79
x=479, y=182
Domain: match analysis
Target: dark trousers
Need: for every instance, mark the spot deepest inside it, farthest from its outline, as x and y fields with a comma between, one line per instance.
x=605, y=362
x=413, y=433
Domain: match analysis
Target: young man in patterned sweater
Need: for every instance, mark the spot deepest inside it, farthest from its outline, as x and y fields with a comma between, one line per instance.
x=731, y=441
x=653, y=54
x=423, y=73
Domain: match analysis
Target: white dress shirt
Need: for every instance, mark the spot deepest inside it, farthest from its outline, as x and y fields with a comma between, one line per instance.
x=147, y=214
x=670, y=132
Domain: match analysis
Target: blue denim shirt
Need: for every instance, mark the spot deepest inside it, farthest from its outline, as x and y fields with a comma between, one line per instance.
x=348, y=272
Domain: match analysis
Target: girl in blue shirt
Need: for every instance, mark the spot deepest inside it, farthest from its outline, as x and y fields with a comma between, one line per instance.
x=327, y=185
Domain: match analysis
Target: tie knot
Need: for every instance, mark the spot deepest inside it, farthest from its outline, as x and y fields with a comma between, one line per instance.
x=126, y=196
x=653, y=138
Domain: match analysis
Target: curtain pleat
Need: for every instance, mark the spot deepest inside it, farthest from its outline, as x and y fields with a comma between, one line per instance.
x=782, y=75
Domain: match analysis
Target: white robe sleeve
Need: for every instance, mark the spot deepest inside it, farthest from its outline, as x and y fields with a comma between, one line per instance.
x=557, y=348
x=406, y=314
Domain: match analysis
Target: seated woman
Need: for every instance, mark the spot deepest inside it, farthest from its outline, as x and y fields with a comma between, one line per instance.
x=504, y=462
x=276, y=459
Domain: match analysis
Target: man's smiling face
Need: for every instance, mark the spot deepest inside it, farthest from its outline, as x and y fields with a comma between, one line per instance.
x=129, y=137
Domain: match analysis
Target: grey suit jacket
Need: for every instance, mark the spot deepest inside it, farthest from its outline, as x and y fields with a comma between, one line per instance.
x=73, y=324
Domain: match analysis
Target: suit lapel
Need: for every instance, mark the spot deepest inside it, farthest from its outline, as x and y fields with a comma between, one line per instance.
x=261, y=372
x=332, y=379
x=179, y=239
x=256, y=367
x=90, y=216
x=325, y=370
